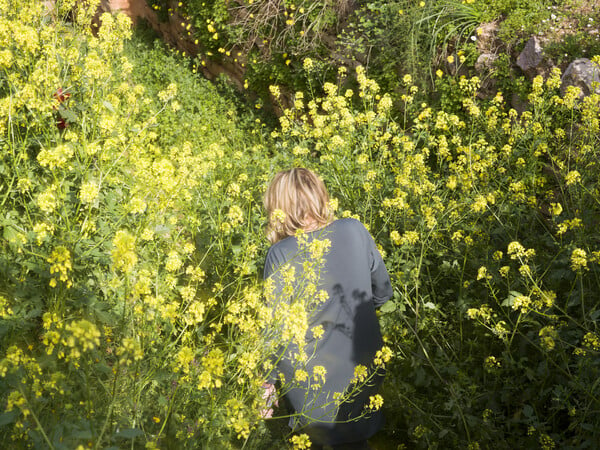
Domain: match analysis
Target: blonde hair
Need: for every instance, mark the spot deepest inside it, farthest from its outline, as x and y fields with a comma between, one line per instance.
x=295, y=199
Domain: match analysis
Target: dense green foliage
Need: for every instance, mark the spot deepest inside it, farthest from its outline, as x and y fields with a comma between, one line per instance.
x=488, y=222
x=131, y=302
x=128, y=231
x=269, y=40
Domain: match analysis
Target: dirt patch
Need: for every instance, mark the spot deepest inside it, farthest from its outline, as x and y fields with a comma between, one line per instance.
x=571, y=18
x=135, y=9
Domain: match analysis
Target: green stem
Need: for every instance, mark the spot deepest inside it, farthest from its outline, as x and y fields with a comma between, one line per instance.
x=35, y=418
x=512, y=336
x=452, y=393
x=162, y=428
x=582, y=298
x=110, y=407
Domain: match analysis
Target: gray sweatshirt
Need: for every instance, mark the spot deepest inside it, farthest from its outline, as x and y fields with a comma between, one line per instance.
x=357, y=282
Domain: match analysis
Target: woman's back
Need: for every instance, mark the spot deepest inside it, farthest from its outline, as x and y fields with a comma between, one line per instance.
x=356, y=281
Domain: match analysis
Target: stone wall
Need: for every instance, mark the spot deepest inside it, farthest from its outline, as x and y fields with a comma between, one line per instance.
x=175, y=35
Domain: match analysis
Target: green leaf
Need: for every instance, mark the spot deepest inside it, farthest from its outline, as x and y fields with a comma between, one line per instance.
x=103, y=368
x=82, y=434
x=108, y=105
x=9, y=233
x=510, y=300
x=388, y=307
x=129, y=433
x=68, y=115
x=8, y=417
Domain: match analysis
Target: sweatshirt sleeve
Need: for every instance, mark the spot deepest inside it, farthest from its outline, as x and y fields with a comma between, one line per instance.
x=270, y=263
x=381, y=284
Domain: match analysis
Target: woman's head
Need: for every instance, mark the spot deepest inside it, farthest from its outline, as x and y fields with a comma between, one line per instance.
x=296, y=198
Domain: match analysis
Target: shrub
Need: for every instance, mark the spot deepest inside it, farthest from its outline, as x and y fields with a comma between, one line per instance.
x=131, y=305
x=487, y=220
x=131, y=239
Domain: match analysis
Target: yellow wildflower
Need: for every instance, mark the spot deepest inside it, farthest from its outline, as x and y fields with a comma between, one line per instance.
x=123, y=254
x=301, y=442
x=578, y=260
x=61, y=264
x=572, y=177
x=375, y=402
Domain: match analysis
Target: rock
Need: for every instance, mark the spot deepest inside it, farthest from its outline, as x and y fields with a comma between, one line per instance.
x=487, y=37
x=485, y=66
x=518, y=104
x=584, y=74
x=485, y=61
x=531, y=56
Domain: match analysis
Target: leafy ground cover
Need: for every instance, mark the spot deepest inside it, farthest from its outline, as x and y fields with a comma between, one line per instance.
x=268, y=41
x=131, y=300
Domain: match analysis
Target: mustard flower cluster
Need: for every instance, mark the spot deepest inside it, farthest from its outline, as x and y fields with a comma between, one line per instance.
x=591, y=341
x=492, y=364
x=516, y=250
x=213, y=365
x=123, y=254
x=16, y=358
x=375, y=403
x=237, y=420
x=579, y=260
x=56, y=157
x=5, y=307
x=548, y=336
x=113, y=32
x=484, y=313
x=89, y=192
x=522, y=303
x=546, y=442
x=360, y=374
x=482, y=274
x=81, y=336
x=16, y=399
x=47, y=200
x=301, y=442
x=129, y=351
x=60, y=260
x=383, y=356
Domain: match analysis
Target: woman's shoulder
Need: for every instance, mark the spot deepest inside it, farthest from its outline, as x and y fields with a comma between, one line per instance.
x=349, y=223
x=277, y=255
x=281, y=250
x=353, y=230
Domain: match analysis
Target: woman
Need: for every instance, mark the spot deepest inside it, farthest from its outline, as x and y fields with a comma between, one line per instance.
x=356, y=281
